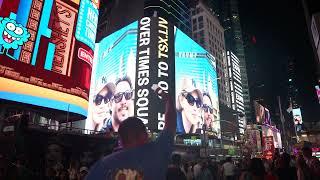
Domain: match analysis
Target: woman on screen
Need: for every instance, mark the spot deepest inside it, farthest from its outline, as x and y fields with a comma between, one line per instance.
x=189, y=104
x=102, y=105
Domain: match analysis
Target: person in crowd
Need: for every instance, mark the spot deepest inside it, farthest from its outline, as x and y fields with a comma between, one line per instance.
x=101, y=111
x=189, y=171
x=122, y=104
x=83, y=171
x=228, y=169
x=312, y=162
x=255, y=171
x=139, y=159
x=205, y=172
x=197, y=169
x=189, y=103
x=208, y=111
x=174, y=170
x=285, y=171
x=303, y=171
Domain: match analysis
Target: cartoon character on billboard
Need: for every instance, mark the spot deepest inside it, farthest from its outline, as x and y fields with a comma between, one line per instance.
x=13, y=35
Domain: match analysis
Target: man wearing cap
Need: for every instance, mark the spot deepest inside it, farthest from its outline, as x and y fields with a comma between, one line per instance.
x=189, y=103
x=102, y=105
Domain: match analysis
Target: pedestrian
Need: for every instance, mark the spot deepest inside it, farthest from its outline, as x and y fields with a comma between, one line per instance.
x=228, y=169
x=312, y=162
x=174, y=169
x=256, y=170
x=139, y=158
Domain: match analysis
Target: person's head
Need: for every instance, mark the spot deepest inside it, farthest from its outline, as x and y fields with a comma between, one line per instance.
x=189, y=101
x=122, y=100
x=208, y=110
x=176, y=159
x=102, y=104
x=256, y=167
x=228, y=159
x=132, y=132
x=306, y=152
x=285, y=160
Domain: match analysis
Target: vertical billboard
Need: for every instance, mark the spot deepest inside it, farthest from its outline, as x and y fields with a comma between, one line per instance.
x=297, y=119
x=45, y=60
x=268, y=147
x=196, y=87
x=318, y=92
x=126, y=64
x=260, y=113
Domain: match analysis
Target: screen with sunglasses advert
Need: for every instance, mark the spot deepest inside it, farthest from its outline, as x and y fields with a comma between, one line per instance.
x=126, y=64
x=46, y=53
x=196, y=87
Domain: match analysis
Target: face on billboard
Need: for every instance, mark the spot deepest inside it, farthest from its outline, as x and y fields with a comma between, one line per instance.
x=122, y=105
x=196, y=86
x=297, y=116
x=114, y=67
x=43, y=61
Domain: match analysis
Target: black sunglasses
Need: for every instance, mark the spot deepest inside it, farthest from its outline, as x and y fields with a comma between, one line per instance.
x=98, y=99
x=207, y=108
x=191, y=100
x=127, y=95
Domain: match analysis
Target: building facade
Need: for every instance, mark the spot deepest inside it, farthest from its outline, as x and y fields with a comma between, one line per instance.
x=208, y=32
x=236, y=92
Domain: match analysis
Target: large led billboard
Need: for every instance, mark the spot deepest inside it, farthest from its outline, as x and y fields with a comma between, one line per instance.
x=297, y=119
x=262, y=114
x=126, y=64
x=149, y=51
x=196, y=87
x=46, y=52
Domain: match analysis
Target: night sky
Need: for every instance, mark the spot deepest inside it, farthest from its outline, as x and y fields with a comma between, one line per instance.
x=281, y=34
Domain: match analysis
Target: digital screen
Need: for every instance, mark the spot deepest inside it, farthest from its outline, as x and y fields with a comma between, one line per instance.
x=42, y=62
x=260, y=112
x=196, y=87
x=149, y=51
x=126, y=64
x=115, y=58
x=318, y=92
x=297, y=117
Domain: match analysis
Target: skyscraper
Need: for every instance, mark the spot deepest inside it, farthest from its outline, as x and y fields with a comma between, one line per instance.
x=208, y=32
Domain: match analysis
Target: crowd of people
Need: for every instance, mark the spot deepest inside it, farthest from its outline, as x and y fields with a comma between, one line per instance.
x=281, y=167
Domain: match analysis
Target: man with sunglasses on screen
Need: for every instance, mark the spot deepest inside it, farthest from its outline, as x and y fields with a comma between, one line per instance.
x=102, y=106
x=208, y=111
x=122, y=103
x=189, y=103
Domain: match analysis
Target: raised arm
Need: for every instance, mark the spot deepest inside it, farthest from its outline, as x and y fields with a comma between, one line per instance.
x=170, y=113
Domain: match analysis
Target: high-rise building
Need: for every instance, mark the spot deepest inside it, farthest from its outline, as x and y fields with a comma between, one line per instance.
x=234, y=42
x=312, y=15
x=117, y=14
x=228, y=13
x=208, y=32
x=237, y=102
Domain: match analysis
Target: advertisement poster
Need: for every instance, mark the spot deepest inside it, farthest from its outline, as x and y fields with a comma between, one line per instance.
x=318, y=92
x=260, y=113
x=297, y=119
x=196, y=87
x=268, y=147
x=126, y=64
x=42, y=62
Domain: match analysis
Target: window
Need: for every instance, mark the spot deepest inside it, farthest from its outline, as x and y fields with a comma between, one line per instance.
x=200, y=18
x=194, y=21
x=200, y=25
x=201, y=33
x=193, y=12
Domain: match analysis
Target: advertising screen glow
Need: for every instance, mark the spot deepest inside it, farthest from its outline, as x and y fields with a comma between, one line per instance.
x=196, y=87
x=42, y=62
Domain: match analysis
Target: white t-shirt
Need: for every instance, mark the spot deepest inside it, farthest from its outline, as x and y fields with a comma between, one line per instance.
x=228, y=169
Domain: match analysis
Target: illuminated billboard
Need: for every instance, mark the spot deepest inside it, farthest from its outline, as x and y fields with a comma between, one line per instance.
x=262, y=114
x=149, y=51
x=297, y=119
x=318, y=92
x=196, y=87
x=44, y=62
x=126, y=65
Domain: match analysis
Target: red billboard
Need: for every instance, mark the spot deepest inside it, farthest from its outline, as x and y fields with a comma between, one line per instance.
x=268, y=147
x=46, y=51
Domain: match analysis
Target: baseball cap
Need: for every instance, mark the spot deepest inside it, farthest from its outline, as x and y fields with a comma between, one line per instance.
x=84, y=168
x=102, y=84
